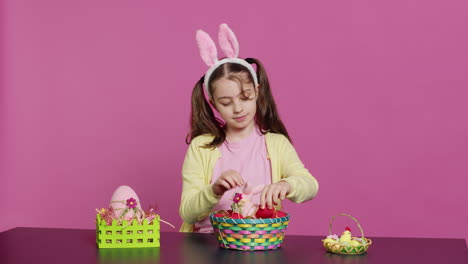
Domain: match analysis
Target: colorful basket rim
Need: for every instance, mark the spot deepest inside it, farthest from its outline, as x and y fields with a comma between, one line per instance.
x=248, y=220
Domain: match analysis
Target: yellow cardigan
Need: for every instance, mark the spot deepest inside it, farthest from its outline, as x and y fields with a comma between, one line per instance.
x=198, y=198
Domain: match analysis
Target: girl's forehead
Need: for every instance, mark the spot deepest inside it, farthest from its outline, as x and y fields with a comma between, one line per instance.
x=229, y=88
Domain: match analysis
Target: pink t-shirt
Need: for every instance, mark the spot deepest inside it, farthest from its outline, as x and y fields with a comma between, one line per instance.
x=247, y=156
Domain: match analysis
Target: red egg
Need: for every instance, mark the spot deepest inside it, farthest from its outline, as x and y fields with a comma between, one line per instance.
x=281, y=214
x=219, y=215
x=223, y=213
x=265, y=213
x=236, y=216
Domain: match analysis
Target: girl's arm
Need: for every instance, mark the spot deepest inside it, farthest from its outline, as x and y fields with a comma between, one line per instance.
x=304, y=186
x=198, y=197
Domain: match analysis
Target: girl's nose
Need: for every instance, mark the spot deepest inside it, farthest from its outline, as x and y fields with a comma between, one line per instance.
x=237, y=108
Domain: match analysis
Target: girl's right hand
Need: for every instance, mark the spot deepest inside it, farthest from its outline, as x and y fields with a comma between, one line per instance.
x=228, y=180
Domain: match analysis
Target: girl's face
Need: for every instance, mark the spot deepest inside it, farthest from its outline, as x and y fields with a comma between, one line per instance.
x=236, y=106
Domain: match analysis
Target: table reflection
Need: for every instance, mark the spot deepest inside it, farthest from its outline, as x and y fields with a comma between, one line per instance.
x=344, y=259
x=128, y=255
x=205, y=249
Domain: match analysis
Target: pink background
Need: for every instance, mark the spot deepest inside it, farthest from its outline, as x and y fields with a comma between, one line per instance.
x=96, y=94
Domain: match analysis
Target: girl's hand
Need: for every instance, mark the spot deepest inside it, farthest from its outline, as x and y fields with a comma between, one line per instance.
x=273, y=193
x=228, y=180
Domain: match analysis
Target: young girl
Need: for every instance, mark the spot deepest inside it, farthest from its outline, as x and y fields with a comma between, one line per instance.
x=251, y=144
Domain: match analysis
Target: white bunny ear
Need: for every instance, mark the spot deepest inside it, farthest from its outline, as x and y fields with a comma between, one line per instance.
x=207, y=48
x=228, y=41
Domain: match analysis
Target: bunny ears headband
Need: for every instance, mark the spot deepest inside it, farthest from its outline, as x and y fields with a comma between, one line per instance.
x=230, y=47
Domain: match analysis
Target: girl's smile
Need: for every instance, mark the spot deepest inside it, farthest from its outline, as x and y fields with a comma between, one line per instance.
x=241, y=118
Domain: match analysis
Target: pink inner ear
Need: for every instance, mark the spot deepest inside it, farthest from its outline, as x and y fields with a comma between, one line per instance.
x=207, y=48
x=228, y=41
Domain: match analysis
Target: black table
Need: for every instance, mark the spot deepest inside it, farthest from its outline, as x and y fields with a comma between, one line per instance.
x=51, y=245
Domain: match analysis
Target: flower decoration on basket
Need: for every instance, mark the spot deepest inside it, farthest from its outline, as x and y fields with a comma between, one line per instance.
x=125, y=224
x=237, y=198
x=248, y=227
x=346, y=243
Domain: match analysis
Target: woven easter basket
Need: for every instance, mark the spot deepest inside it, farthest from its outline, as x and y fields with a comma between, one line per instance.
x=339, y=248
x=250, y=234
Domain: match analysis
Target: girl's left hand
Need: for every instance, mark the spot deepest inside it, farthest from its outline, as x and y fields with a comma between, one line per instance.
x=272, y=193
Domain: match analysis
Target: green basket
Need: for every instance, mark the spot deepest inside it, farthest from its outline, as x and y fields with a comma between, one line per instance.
x=250, y=234
x=127, y=235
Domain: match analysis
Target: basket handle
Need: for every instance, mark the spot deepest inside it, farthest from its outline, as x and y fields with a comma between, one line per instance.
x=333, y=218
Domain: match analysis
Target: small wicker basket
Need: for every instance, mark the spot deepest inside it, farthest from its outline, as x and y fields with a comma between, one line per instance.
x=250, y=234
x=339, y=248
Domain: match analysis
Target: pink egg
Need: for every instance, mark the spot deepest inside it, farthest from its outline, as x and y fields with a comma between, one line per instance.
x=123, y=198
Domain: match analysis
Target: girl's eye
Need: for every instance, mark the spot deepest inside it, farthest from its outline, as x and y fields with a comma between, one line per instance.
x=226, y=104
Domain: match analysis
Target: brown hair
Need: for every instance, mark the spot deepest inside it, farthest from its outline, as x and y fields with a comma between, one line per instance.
x=203, y=120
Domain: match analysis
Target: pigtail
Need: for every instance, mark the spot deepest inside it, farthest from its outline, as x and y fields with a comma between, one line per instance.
x=203, y=120
x=267, y=117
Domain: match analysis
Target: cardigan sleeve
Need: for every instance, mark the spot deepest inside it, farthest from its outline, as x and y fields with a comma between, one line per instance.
x=304, y=186
x=197, y=197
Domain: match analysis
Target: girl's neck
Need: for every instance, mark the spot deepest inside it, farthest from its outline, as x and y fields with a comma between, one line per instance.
x=233, y=135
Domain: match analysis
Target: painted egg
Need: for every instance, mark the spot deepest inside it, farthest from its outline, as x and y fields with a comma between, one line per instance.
x=124, y=198
x=265, y=213
x=336, y=247
x=281, y=214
